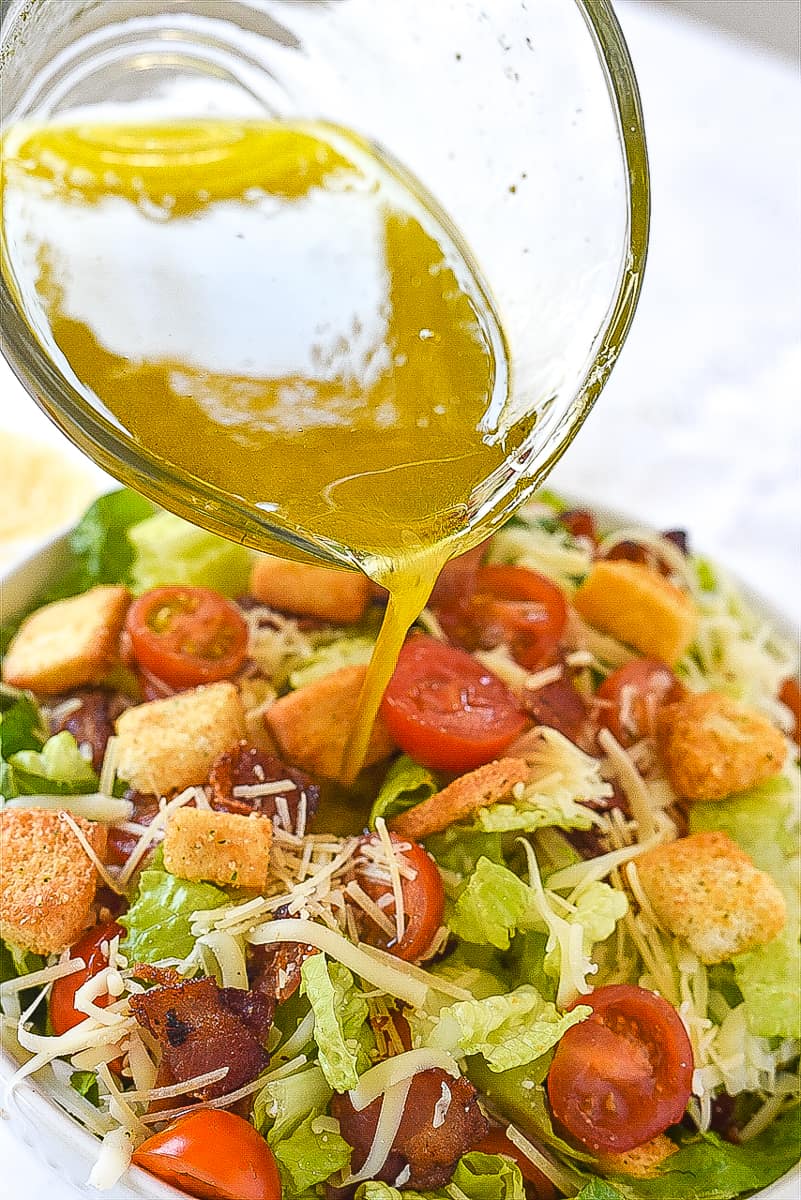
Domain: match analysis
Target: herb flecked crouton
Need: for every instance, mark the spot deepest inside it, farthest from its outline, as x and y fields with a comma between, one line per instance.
x=459, y=800
x=223, y=848
x=69, y=643
x=310, y=591
x=166, y=745
x=637, y=605
x=712, y=746
x=643, y=1162
x=312, y=726
x=707, y=890
x=47, y=880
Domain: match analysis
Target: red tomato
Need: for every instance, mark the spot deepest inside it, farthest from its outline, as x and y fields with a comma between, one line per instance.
x=636, y=692
x=423, y=899
x=496, y=1142
x=623, y=1075
x=523, y=609
x=790, y=695
x=446, y=710
x=187, y=635
x=580, y=523
x=63, y=1013
x=214, y=1155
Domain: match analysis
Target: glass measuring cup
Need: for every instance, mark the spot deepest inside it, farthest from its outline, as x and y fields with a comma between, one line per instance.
x=522, y=120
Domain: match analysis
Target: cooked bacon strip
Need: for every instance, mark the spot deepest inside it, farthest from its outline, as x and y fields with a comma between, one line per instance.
x=201, y=1027
x=246, y=767
x=441, y=1122
x=274, y=971
x=91, y=719
x=559, y=706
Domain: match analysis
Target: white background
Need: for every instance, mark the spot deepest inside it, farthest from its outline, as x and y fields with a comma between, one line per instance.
x=700, y=425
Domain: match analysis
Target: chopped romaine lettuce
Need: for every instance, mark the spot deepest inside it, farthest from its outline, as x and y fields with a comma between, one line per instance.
x=599, y=1189
x=22, y=726
x=458, y=849
x=169, y=550
x=310, y=1155
x=537, y=812
x=85, y=1084
x=282, y=1104
x=493, y=905
x=509, y=1031
x=15, y=962
x=477, y=1177
x=340, y=1012
x=158, y=923
x=767, y=977
x=331, y=656
x=405, y=784
x=58, y=769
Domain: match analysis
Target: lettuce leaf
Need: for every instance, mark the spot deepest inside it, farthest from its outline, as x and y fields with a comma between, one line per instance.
x=167, y=549
x=58, y=769
x=340, y=1012
x=310, y=1155
x=542, y=812
x=283, y=1104
x=331, y=656
x=509, y=1031
x=599, y=1189
x=405, y=784
x=458, y=849
x=85, y=1084
x=492, y=906
x=477, y=1177
x=15, y=962
x=22, y=726
x=158, y=923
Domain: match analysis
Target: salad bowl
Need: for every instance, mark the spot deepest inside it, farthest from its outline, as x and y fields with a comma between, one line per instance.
x=34, y=1116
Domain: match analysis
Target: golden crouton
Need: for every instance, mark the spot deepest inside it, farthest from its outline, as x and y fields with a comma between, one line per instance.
x=69, y=643
x=643, y=1162
x=167, y=745
x=312, y=725
x=705, y=889
x=712, y=746
x=639, y=606
x=47, y=880
x=309, y=591
x=460, y=799
x=225, y=848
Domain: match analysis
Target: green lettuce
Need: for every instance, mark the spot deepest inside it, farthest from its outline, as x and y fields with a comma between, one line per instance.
x=539, y=812
x=85, y=1084
x=15, y=962
x=168, y=550
x=458, y=849
x=599, y=1189
x=310, y=1155
x=492, y=906
x=509, y=1031
x=331, y=656
x=764, y=822
x=340, y=1013
x=477, y=1177
x=58, y=769
x=158, y=923
x=284, y=1103
x=22, y=726
x=405, y=784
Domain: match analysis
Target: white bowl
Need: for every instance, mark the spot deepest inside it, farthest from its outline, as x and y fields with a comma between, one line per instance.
x=36, y=1119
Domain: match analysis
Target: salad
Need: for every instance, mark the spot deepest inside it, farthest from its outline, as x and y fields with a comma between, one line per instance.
x=546, y=944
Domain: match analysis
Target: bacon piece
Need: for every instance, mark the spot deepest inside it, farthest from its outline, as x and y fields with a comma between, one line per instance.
x=580, y=523
x=247, y=766
x=631, y=551
x=120, y=845
x=559, y=706
x=274, y=971
x=92, y=724
x=429, y=1150
x=201, y=1027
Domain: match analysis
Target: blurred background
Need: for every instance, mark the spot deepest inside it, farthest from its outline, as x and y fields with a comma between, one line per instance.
x=775, y=24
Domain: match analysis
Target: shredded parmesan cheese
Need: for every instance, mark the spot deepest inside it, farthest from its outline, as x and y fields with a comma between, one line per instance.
x=394, y=874
x=391, y=1071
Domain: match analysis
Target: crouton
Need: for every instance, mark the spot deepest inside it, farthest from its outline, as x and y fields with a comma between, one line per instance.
x=643, y=1162
x=69, y=643
x=312, y=726
x=47, y=880
x=712, y=746
x=460, y=799
x=224, y=848
x=309, y=591
x=705, y=889
x=167, y=745
x=639, y=606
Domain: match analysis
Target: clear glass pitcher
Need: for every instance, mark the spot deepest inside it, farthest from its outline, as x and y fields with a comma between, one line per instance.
x=521, y=119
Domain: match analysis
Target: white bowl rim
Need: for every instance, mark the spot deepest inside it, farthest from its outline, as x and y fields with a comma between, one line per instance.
x=55, y=1121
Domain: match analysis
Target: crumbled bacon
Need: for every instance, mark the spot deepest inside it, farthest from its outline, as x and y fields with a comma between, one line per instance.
x=432, y=1136
x=201, y=1027
x=274, y=971
x=559, y=706
x=92, y=722
x=248, y=767
x=631, y=551
x=121, y=844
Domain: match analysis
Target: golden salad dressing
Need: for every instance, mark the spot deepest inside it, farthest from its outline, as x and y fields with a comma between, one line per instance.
x=277, y=310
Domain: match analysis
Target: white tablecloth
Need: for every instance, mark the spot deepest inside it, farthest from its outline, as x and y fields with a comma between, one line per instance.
x=700, y=425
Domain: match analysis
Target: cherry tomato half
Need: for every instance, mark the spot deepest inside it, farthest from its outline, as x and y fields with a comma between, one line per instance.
x=623, y=1075
x=790, y=695
x=187, y=635
x=523, y=609
x=423, y=899
x=538, y=1185
x=63, y=1013
x=214, y=1155
x=446, y=710
x=636, y=692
